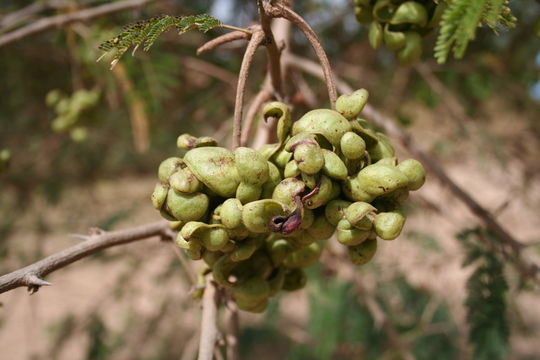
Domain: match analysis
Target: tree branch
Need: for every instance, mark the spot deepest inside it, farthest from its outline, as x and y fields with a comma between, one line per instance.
x=274, y=61
x=256, y=39
x=32, y=275
x=64, y=19
x=264, y=95
x=209, y=331
x=221, y=40
x=527, y=269
x=280, y=10
x=233, y=330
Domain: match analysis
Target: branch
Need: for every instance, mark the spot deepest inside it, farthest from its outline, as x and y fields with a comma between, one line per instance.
x=390, y=126
x=221, y=40
x=209, y=331
x=233, y=330
x=279, y=10
x=256, y=40
x=64, y=19
x=274, y=62
x=32, y=275
x=264, y=95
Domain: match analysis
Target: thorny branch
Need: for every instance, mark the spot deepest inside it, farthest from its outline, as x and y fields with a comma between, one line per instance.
x=221, y=40
x=32, y=275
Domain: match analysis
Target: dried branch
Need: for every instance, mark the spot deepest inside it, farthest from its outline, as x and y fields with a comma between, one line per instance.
x=274, y=61
x=233, y=329
x=256, y=39
x=280, y=10
x=209, y=331
x=221, y=40
x=32, y=275
x=64, y=19
x=390, y=126
x=264, y=95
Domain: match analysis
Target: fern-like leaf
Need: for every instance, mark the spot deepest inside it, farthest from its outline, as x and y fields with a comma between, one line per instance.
x=146, y=32
x=461, y=19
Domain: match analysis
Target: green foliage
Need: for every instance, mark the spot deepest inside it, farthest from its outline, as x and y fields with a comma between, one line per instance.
x=146, y=32
x=461, y=19
x=486, y=303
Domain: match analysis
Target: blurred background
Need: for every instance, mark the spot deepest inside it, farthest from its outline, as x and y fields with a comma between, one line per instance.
x=478, y=117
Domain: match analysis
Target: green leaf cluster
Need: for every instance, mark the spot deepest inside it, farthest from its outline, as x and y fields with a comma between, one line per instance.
x=461, y=19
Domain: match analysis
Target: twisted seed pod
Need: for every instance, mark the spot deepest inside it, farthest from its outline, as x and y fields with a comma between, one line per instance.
x=186, y=207
x=415, y=173
x=388, y=225
x=348, y=235
x=184, y=181
x=168, y=167
x=295, y=279
x=363, y=253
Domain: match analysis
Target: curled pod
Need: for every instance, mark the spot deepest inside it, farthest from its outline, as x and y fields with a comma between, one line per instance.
x=320, y=195
x=410, y=12
x=363, y=14
x=176, y=225
x=359, y=126
x=278, y=249
x=333, y=167
x=222, y=270
x=300, y=239
x=251, y=290
x=309, y=157
x=281, y=158
x=352, y=146
x=186, y=207
x=188, y=142
x=321, y=229
x=184, y=181
x=245, y=249
x=287, y=191
x=212, y=237
x=261, y=264
x=383, y=149
x=257, y=215
x=384, y=10
x=311, y=181
x=388, y=225
x=350, y=105
x=283, y=113
x=359, y=214
x=304, y=257
x=348, y=235
x=335, y=211
x=414, y=171
x=412, y=50
x=214, y=166
x=193, y=249
x=267, y=150
x=328, y=123
x=168, y=167
x=353, y=190
x=375, y=35
x=276, y=281
x=363, y=253
x=159, y=195
x=274, y=178
x=231, y=213
x=307, y=219
x=295, y=279
x=211, y=257
x=291, y=169
x=380, y=179
x=252, y=307
x=393, y=40
x=248, y=192
x=251, y=165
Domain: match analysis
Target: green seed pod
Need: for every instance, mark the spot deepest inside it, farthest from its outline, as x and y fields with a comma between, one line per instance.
x=363, y=14
x=310, y=180
x=222, y=270
x=231, y=213
x=252, y=167
x=412, y=50
x=363, y=253
x=333, y=167
x=375, y=35
x=300, y=239
x=184, y=181
x=159, y=196
x=291, y=169
x=168, y=167
x=215, y=238
x=276, y=281
x=321, y=229
x=351, y=105
x=281, y=158
x=322, y=196
x=388, y=225
x=257, y=215
x=267, y=150
x=304, y=257
x=287, y=190
x=274, y=178
x=380, y=179
x=335, y=211
x=278, y=250
x=176, y=225
x=188, y=142
x=410, y=12
x=328, y=123
x=165, y=214
x=348, y=235
x=309, y=158
x=215, y=167
x=393, y=40
x=383, y=149
x=193, y=248
x=295, y=279
x=283, y=113
x=245, y=249
x=211, y=257
x=366, y=134
x=353, y=146
x=359, y=215
x=248, y=192
x=384, y=10
x=353, y=190
x=253, y=289
x=186, y=207
x=307, y=219
x=414, y=171
x=252, y=307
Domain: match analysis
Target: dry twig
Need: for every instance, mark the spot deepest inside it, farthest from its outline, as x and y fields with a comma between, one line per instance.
x=32, y=275
x=209, y=331
x=273, y=52
x=264, y=95
x=221, y=40
x=233, y=329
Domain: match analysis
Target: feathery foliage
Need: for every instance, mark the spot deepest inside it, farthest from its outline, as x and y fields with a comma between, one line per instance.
x=146, y=32
x=461, y=19
x=485, y=303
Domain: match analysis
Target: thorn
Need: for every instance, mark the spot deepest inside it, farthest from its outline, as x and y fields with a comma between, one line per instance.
x=34, y=280
x=95, y=231
x=101, y=57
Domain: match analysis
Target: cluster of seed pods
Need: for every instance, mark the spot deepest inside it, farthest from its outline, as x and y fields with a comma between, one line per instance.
x=399, y=25
x=258, y=218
